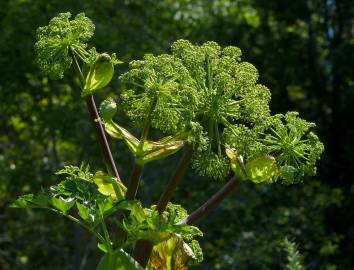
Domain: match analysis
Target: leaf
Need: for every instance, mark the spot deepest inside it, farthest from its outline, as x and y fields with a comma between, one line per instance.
x=31, y=201
x=121, y=133
x=84, y=212
x=63, y=205
x=262, y=169
x=100, y=74
x=172, y=254
x=103, y=247
x=135, y=208
x=109, y=186
x=118, y=260
x=148, y=150
x=155, y=150
x=154, y=237
x=236, y=162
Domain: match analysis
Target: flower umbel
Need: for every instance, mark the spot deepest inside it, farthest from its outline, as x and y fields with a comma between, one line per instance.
x=227, y=96
x=55, y=41
x=295, y=148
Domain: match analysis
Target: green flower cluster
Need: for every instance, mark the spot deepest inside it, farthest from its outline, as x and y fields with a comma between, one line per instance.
x=159, y=87
x=210, y=93
x=295, y=148
x=55, y=41
x=63, y=40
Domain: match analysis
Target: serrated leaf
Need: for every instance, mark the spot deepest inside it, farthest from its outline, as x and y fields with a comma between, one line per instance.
x=83, y=211
x=262, y=169
x=118, y=260
x=63, y=205
x=109, y=186
x=31, y=201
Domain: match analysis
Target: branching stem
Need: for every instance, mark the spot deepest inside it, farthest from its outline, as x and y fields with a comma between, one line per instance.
x=138, y=168
x=176, y=178
x=143, y=248
x=212, y=203
x=134, y=182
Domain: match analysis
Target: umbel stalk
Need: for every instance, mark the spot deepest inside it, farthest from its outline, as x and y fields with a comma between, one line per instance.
x=212, y=203
x=176, y=178
x=143, y=248
x=100, y=133
x=101, y=136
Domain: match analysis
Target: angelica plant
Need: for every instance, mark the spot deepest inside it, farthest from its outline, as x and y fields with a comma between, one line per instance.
x=203, y=100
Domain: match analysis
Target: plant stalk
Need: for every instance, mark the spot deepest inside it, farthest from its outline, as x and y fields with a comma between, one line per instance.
x=134, y=182
x=142, y=252
x=100, y=133
x=175, y=179
x=143, y=248
x=212, y=203
x=138, y=169
x=101, y=136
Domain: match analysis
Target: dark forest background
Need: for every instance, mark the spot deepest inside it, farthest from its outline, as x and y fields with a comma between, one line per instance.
x=304, y=51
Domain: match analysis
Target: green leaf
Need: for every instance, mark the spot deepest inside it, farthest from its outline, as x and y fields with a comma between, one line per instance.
x=63, y=205
x=118, y=260
x=109, y=186
x=148, y=150
x=103, y=247
x=100, y=74
x=31, y=201
x=171, y=254
x=84, y=212
x=155, y=150
x=262, y=169
x=236, y=163
x=121, y=133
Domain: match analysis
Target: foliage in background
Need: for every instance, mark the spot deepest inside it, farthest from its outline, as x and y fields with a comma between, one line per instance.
x=304, y=50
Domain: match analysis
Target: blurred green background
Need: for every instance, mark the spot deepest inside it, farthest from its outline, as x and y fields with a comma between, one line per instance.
x=304, y=51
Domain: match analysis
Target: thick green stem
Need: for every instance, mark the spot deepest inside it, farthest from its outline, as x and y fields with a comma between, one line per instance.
x=100, y=133
x=101, y=136
x=212, y=203
x=134, y=182
x=175, y=179
x=143, y=248
x=138, y=169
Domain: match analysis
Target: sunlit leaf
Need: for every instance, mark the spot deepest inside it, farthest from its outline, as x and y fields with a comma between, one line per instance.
x=121, y=133
x=103, y=247
x=118, y=260
x=109, y=186
x=100, y=74
x=31, y=201
x=63, y=205
x=236, y=163
x=154, y=150
x=262, y=169
x=83, y=211
x=171, y=254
